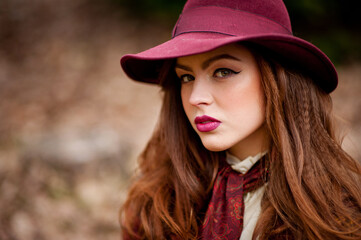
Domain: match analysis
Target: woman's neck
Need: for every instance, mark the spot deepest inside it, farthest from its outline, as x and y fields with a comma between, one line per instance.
x=255, y=143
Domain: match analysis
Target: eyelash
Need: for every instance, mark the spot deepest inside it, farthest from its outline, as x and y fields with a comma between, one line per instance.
x=230, y=72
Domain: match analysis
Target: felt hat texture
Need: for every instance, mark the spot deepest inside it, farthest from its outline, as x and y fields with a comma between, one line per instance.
x=205, y=25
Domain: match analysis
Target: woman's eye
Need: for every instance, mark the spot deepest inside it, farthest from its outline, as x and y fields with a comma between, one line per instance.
x=224, y=72
x=186, y=78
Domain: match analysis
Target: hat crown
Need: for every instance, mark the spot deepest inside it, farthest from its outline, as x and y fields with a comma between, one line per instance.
x=274, y=10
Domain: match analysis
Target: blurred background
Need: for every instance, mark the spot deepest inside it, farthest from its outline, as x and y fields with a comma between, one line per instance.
x=72, y=124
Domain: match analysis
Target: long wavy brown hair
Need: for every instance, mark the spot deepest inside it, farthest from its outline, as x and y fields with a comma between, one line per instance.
x=314, y=187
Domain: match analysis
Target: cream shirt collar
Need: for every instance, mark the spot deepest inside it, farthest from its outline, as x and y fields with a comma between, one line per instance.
x=244, y=165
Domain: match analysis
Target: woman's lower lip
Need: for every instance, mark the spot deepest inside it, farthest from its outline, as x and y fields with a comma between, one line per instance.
x=207, y=126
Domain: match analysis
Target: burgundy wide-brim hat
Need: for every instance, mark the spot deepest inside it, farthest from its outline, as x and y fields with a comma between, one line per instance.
x=205, y=25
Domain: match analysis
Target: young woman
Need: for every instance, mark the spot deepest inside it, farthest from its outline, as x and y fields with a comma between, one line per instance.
x=245, y=147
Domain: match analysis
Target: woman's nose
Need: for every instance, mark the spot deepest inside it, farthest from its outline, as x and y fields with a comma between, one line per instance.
x=201, y=92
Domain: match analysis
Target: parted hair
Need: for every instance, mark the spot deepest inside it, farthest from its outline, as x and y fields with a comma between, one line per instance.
x=313, y=189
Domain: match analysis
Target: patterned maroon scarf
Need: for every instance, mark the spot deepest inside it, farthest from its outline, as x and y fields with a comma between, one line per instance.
x=224, y=216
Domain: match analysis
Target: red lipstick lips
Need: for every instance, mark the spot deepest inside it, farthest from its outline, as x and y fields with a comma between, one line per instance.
x=206, y=124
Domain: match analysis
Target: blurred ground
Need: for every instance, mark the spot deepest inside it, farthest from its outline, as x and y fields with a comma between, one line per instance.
x=71, y=124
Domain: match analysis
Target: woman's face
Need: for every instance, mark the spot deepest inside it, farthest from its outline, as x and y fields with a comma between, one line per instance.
x=223, y=99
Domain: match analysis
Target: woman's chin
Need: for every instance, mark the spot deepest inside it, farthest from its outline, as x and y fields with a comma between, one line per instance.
x=214, y=147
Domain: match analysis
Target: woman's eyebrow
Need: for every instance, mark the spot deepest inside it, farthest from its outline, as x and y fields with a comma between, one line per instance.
x=207, y=62
x=177, y=65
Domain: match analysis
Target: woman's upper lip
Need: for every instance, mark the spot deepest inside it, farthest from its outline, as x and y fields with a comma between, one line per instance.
x=205, y=118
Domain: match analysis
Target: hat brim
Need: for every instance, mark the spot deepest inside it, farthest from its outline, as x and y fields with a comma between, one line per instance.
x=145, y=66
